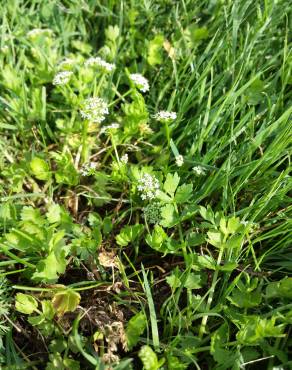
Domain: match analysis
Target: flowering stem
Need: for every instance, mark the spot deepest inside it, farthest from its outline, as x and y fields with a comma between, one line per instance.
x=120, y=97
x=167, y=133
x=97, y=88
x=84, y=153
x=115, y=149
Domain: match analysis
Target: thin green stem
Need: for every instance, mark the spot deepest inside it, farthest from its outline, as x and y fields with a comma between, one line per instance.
x=85, y=149
x=202, y=329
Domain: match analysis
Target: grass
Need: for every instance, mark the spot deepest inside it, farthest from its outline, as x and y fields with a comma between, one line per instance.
x=100, y=270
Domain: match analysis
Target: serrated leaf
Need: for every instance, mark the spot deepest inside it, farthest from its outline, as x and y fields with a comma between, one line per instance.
x=54, y=213
x=40, y=169
x=173, y=363
x=234, y=242
x=245, y=299
x=112, y=32
x=173, y=281
x=65, y=301
x=193, y=281
x=207, y=262
x=148, y=358
x=168, y=216
x=135, y=328
x=223, y=226
x=223, y=356
x=25, y=303
x=157, y=239
x=129, y=234
x=188, y=212
x=171, y=183
x=33, y=215
x=183, y=193
x=56, y=362
x=282, y=288
x=233, y=225
x=215, y=238
x=155, y=49
x=255, y=329
x=207, y=214
x=162, y=196
x=49, y=268
x=58, y=345
x=195, y=239
x=220, y=337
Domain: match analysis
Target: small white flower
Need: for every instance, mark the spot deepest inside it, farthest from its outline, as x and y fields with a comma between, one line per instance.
x=179, y=160
x=148, y=186
x=199, y=170
x=113, y=126
x=165, y=116
x=140, y=81
x=87, y=169
x=125, y=158
x=62, y=78
x=94, y=109
x=98, y=62
x=252, y=226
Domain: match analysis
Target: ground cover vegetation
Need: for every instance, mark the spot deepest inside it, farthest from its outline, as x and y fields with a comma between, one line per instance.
x=145, y=215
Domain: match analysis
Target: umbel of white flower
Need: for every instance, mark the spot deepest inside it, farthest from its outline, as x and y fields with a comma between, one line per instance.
x=179, y=160
x=140, y=81
x=87, y=169
x=199, y=170
x=62, y=78
x=124, y=158
x=112, y=126
x=99, y=63
x=148, y=186
x=94, y=109
x=165, y=116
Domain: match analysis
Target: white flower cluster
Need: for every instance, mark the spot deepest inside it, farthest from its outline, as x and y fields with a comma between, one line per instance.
x=252, y=226
x=199, y=170
x=179, y=160
x=87, y=169
x=112, y=126
x=165, y=116
x=124, y=158
x=148, y=186
x=140, y=81
x=100, y=63
x=62, y=78
x=94, y=109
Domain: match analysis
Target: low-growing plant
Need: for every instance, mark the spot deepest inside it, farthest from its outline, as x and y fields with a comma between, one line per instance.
x=144, y=185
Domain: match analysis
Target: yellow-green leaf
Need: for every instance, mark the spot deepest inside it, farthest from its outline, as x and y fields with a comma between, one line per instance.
x=65, y=301
x=25, y=303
